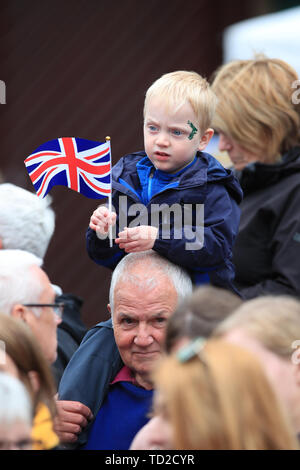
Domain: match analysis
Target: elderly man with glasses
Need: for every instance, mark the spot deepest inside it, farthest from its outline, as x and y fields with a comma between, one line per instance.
x=26, y=293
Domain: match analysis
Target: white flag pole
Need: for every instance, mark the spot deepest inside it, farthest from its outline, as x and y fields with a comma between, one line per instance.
x=110, y=194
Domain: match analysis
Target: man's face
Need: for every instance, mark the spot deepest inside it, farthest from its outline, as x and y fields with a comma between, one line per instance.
x=140, y=317
x=169, y=140
x=44, y=326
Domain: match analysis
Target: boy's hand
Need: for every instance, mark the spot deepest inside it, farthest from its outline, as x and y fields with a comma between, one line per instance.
x=101, y=219
x=135, y=239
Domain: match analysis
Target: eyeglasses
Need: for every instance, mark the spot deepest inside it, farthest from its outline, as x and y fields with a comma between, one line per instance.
x=24, y=444
x=57, y=307
x=194, y=348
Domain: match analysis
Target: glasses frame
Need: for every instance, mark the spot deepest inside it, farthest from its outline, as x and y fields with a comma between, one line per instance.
x=58, y=307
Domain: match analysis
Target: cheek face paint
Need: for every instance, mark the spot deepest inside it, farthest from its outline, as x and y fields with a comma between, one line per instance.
x=194, y=130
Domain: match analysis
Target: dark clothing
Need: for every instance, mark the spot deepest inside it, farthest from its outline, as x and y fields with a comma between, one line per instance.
x=70, y=333
x=204, y=181
x=92, y=367
x=267, y=248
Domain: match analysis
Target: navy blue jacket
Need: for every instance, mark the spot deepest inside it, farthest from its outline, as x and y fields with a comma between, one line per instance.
x=203, y=182
x=91, y=369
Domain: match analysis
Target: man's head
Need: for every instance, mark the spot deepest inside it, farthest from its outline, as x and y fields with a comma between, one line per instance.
x=145, y=291
x=270, y=328
x=26, y=221
x=178, y=111
x=15, y=414
x=23, y=284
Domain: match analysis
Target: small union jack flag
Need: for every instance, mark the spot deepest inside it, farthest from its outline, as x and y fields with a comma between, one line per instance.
x=79, y=164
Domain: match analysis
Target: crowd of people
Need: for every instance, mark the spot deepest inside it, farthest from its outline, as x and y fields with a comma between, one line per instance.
x=200, y=350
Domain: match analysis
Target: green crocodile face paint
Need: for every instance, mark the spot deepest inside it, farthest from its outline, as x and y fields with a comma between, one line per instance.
x=194, y=130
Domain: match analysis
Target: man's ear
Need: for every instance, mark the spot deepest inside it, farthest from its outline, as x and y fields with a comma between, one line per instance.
x=205, y=138
x=19, y=311
x=109, y=309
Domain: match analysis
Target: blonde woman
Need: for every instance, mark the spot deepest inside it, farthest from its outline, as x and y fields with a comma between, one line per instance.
x=22, y=357
x=258, y=121
x=214, y=396
x=269, y=327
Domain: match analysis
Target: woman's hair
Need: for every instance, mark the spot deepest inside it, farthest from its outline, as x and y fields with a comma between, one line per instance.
x=15, y=402
x=255, y=106
x=22, y=347
x=176, y=274
x=273, y=321
x=180, y=87
x=200, y=314
x=221, y=399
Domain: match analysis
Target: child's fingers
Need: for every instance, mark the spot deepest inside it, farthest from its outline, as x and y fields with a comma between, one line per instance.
x=131, y=246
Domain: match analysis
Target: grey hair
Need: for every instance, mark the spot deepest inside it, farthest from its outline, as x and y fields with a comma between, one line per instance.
x=177, y=275
x=18, y=284
x=15, y=403
x=26, y=221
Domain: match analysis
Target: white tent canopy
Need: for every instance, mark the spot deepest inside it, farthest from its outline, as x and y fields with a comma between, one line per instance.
x=277, y=35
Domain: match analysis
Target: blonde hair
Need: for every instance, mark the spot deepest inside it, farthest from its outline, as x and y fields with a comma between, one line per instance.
x=23, y=348
x=178, y=88
x=273, y=321
x=255, y=106
x=222, y=400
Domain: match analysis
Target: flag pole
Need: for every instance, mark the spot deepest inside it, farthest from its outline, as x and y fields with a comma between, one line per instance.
x=110, y=194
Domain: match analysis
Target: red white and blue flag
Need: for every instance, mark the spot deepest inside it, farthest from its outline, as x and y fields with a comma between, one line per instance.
x=80, y=164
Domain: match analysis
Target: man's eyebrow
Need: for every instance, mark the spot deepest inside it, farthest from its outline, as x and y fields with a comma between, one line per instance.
x=123, y=314
x=159, y=314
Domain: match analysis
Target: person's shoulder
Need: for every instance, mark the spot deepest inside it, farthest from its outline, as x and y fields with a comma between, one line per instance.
x=222, y=178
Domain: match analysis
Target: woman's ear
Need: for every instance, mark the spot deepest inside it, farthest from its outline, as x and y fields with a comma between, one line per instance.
x=205, y=138
x=34, y=380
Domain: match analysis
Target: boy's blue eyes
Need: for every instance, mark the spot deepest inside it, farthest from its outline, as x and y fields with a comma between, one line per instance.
x=176, y=132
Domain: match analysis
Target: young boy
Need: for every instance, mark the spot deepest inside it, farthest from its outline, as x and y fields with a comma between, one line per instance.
x=173, y=171
x=172, y=181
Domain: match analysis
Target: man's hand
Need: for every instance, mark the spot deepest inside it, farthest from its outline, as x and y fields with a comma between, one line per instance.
x=135, y=239
x=72, y=417
x=101, y=220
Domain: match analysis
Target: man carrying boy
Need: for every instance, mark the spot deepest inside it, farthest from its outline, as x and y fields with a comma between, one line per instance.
x=173, y=173
x=178, y=111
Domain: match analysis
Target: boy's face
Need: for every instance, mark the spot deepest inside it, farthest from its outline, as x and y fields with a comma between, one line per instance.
x=171, y=138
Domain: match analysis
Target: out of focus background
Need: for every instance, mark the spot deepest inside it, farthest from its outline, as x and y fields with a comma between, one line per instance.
x=81, y=67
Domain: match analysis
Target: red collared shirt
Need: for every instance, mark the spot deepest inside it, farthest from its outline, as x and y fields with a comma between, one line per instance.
x=125, y=375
